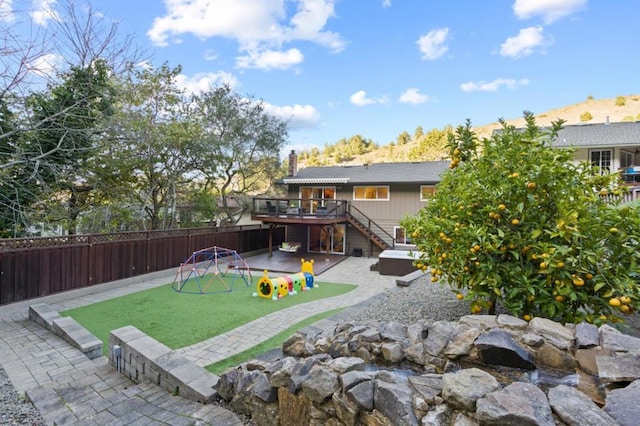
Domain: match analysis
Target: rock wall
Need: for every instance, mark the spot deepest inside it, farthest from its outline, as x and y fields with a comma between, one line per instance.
x=479, y=370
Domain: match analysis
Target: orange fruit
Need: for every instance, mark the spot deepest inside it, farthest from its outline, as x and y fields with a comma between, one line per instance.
x=543, y=265
x=577, y=281
x=459, y=296
x=625, y=308
x=625, y=300
x=502, y=207
x=515, y=222
x=588, y=276
x=559, y=264
x=615, y=302
x=526, y=317
x=613, y=230
x=531, y=185
x=559, y=298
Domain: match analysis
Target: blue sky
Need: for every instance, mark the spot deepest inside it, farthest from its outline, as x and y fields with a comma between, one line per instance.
x=336, y=68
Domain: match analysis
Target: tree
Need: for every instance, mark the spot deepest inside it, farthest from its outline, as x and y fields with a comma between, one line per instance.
x=418, y=134
x=586, y=116
x=77, y=43
x=150, y=146
x=87, y=97
x=403, y=138
x=432, y=146
x=524, y=226
x=239, y=146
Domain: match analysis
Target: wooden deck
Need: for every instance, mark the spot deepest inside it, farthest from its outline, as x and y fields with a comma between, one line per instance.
x=289, y=263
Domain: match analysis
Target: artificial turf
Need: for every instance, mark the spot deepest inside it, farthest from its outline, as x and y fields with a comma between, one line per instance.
x=180, y=319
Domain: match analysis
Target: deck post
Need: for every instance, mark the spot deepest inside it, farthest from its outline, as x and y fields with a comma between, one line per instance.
x=271, y=227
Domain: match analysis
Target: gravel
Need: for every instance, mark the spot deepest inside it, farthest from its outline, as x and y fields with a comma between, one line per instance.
x=14, y=410
x=422, y=300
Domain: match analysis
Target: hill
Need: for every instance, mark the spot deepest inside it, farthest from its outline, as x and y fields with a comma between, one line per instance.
x=600, y=110
x=621, y=108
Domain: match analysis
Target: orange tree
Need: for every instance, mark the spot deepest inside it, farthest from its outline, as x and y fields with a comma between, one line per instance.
x=517, y=222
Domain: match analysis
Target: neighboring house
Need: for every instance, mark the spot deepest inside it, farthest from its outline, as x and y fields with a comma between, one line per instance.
x=351, y=209
x=612, y=146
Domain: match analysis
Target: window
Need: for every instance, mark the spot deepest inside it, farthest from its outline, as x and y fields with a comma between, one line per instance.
x=371, y=193
x=316, y=196
x=427, y=192
x=400, y=235
x=626, y=159
x=602, y=159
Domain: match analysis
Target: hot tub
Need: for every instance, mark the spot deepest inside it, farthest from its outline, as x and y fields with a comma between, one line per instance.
x=397, y=262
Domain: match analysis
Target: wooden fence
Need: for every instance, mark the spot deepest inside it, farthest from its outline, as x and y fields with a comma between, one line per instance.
x=34, y=267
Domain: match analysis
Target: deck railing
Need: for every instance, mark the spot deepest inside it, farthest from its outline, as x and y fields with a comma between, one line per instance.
x=299, y=207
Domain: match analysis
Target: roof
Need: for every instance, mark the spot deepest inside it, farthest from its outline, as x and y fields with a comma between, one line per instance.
x=599, y=135
x=378, y=173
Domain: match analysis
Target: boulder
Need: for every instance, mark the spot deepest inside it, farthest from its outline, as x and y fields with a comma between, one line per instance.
x=576, y=409
x=622, y=404
x=497, y=347
x=462, y=389
x=519, y=404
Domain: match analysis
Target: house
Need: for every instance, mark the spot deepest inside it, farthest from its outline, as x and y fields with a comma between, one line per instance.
x=611, y=146
x=355, y=210
x=350, y=210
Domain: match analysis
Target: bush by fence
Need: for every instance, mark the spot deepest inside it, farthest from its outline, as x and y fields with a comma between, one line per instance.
x=34, y=267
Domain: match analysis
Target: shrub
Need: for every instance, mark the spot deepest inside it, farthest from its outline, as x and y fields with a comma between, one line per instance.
x=586, y=116
x=621, y=101
x=524, y=226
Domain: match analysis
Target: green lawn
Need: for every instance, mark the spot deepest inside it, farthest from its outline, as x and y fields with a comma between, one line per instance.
x=178, y=319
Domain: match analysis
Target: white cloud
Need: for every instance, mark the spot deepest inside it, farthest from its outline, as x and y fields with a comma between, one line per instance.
x=413, y=96
x=260, y=27
x=210, y=55
x=43, y=11
x=386, y=3
x=432, y=45
x=549, y=10
x=45, y=65
x=270, y=59
x=6, y=11
x=204, y=81
x=492, y=86
x=524, y=43
x=360, y=99
x=297, y=116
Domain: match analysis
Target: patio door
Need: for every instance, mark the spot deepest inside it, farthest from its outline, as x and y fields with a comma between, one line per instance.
x=316, y=196
x=334, y=236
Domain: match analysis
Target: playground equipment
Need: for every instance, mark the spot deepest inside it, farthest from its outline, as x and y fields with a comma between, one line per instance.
x=286, y=284
x=211, y=270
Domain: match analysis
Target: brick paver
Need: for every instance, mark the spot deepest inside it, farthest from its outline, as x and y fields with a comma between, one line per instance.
x=70, y=389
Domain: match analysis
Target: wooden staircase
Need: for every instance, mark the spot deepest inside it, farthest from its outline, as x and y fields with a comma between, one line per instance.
x=374, y=232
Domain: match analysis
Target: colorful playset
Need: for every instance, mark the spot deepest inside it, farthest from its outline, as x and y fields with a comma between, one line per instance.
x=211, y=270
x=275, y=288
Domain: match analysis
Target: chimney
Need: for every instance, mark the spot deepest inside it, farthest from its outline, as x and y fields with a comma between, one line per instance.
x=293, y=163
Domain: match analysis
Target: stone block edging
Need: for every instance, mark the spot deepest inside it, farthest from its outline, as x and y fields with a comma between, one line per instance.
x=406, y=280
x=66, y=328
x=142, y=358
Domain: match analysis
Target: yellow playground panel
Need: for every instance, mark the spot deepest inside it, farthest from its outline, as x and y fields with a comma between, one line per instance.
x=274, y=288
